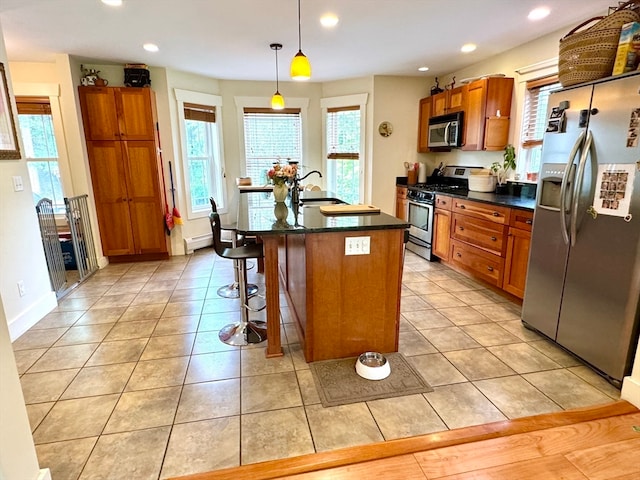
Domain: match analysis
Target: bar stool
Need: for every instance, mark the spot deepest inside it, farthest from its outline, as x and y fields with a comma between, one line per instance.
x=232, y=290
x=245, y=331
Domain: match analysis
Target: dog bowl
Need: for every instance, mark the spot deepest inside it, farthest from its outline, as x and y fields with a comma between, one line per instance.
x=373, y=366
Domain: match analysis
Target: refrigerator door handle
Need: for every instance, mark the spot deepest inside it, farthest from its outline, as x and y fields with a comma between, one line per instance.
x=578, y=187
x=563, y=188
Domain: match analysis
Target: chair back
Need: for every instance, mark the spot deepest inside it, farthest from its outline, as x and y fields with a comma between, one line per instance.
x=214, y=207
x=214, y=219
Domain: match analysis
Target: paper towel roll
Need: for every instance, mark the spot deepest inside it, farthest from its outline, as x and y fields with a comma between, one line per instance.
x=422, y=173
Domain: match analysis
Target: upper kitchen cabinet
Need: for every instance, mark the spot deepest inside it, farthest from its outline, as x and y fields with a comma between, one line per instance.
x=110, y=113
x=423, y=125
x=487, y=114
x=449, y=101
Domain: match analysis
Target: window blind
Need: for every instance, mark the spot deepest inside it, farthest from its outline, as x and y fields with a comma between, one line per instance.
x=33, y=106
x=201, y=113
x=343, y=133
x=535, y=110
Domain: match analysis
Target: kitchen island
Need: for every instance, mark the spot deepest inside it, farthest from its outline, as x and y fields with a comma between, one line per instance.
x=343, y=300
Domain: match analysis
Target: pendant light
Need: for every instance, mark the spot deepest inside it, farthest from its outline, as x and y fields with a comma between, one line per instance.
x=277, y=101
x=300, y=66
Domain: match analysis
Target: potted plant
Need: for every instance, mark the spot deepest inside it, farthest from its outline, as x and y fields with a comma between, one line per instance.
x=501, y=170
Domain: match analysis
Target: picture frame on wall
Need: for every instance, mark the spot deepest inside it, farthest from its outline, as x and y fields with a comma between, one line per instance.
x=9, y=149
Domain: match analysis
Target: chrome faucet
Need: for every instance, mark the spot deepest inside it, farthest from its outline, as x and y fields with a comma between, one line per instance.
x=295, y=191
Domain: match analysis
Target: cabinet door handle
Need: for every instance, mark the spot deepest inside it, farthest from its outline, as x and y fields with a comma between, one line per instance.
x=461, y=228
x=496, y=214
x=493, y=239
x=490, y=269
x=528, y=221
x=462, y=207
x=459, y=254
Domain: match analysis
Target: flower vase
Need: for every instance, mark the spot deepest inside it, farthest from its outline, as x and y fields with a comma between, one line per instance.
x=281, y=212
x=280, y=192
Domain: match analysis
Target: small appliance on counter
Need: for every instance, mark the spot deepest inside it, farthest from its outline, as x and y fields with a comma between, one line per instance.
x=482, y=180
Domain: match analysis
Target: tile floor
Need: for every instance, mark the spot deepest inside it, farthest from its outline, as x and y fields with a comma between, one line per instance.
x=127, y=379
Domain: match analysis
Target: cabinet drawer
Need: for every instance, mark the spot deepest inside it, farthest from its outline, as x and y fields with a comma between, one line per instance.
x=482, y=264
x=486, y=211
x=481, y=233
x=444, y=202
x=522, y=219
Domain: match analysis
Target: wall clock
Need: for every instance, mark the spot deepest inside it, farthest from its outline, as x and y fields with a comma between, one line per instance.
x=385, y=129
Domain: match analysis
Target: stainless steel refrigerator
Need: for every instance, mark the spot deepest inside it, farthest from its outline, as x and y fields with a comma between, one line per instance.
x=583, y=281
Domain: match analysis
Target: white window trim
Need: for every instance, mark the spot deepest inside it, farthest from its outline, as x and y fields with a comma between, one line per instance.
x=265, y=102
x=52, y=90
x=188, y=96
x=360, y=100
x=546, y=68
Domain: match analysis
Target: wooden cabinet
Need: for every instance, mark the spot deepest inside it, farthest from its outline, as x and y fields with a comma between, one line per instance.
x=449, y=101
x=441, y=245
x=488, y=106
x=126, y=174
x=486, y=211
x=517, y=255
x=401, y=203
x=424, y=114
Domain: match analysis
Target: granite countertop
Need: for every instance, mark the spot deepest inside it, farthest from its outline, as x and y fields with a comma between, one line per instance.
x=258, y=215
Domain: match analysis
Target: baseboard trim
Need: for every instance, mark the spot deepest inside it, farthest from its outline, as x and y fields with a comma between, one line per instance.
x=631, y=390
x=45, y=474
x=32, y=315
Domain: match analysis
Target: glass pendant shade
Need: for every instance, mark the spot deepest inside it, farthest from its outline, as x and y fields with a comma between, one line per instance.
x=277, y=101
x=300, y=67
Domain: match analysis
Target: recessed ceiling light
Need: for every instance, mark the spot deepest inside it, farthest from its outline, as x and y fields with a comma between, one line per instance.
x=538, y=13
x=150, y=47
x=329, y=20
x=112, y=3
x=423, y=69
x=468, y=47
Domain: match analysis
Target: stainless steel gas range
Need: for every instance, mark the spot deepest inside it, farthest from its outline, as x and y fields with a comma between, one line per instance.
x=421, y=199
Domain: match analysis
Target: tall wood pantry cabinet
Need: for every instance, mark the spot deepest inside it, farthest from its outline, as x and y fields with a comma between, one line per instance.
x=126, y=171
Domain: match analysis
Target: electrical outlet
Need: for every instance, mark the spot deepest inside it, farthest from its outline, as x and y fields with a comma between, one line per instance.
x=357, y=245
x=21, y=289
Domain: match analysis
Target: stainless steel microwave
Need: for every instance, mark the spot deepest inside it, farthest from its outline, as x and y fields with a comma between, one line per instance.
x=446, y=130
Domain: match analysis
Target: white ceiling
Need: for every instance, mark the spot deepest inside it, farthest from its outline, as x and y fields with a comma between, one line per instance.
x=229, y=39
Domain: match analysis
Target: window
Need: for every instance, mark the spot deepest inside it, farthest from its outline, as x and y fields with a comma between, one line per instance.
x=270, y=136
x=41, y=152
x=534, y=123
x=202, y=160
x=343, y=152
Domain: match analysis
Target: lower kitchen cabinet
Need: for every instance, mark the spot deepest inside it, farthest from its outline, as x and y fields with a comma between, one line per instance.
x=517, y=257
x=442, y=227
x=481, y=264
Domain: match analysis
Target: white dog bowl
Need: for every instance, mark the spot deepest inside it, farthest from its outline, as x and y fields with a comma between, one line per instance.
x=373, y=366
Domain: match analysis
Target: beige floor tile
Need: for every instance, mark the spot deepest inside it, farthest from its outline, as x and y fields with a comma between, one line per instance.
x=596, y=380
x=435, y=275
x=443, y=300
x=425, y=287
x=136, y=277
x=58, y=320
x=160, y=285
x=193, y=282
x=474, y=297
x=412, y=342
x=77, y=418
x=216, y=304
x=125, y=287
x=179, y=309
x=58, y=358
x=308, y=388
x=80, y=304
x=449, y=338
x=84, y=334
x=101, y=380
x=38, y=338
x=275, y=434
x=556, y=353
x=213, y=366
x=462, y=405
x=252, y=362
x=65, y=459
x=188, y=294
x=566, y=389
x=164, y=372
x=436, y=369
x=216, y=321
x=121, y=300
x=516, y=328
x=202, y=447
x=412, y=303
x=202, y=401
x=463, y=315
x=26, y=358
x=157, y=297
x=403, y=417
x=269, y=392
x=125, y=456
x=424, y=319
x=136, y=312
x=46, y=386
x=478, y=363
x=144, y=409
x=208, y=342
x=523, y=358
x=499, y=312
x=411, y=276
x=177, y=325
x=119, y=351
x=453, y=285
x=489, y=334
x=168, y=346
x=96, y=316
x=515, y=397
x=129, y=330
x=36, y=413
x=297, y=355
x=90, y=290
x=343, y=426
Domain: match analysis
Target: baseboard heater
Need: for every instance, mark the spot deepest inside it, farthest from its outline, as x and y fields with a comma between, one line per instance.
x=199, y=241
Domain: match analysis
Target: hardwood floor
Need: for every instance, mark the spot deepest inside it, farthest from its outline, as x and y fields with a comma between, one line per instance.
x=598, y=443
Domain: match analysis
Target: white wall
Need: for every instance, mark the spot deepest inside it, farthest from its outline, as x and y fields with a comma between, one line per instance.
x=21, y=258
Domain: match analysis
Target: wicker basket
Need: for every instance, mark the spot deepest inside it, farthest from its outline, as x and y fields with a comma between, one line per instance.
x=589, y=54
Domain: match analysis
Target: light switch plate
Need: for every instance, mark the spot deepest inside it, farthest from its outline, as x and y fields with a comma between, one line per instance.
x=357, y=245
x=18, y=186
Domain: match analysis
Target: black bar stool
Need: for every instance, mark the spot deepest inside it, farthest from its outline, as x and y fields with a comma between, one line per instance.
x=245, y=331
x=232, y=290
